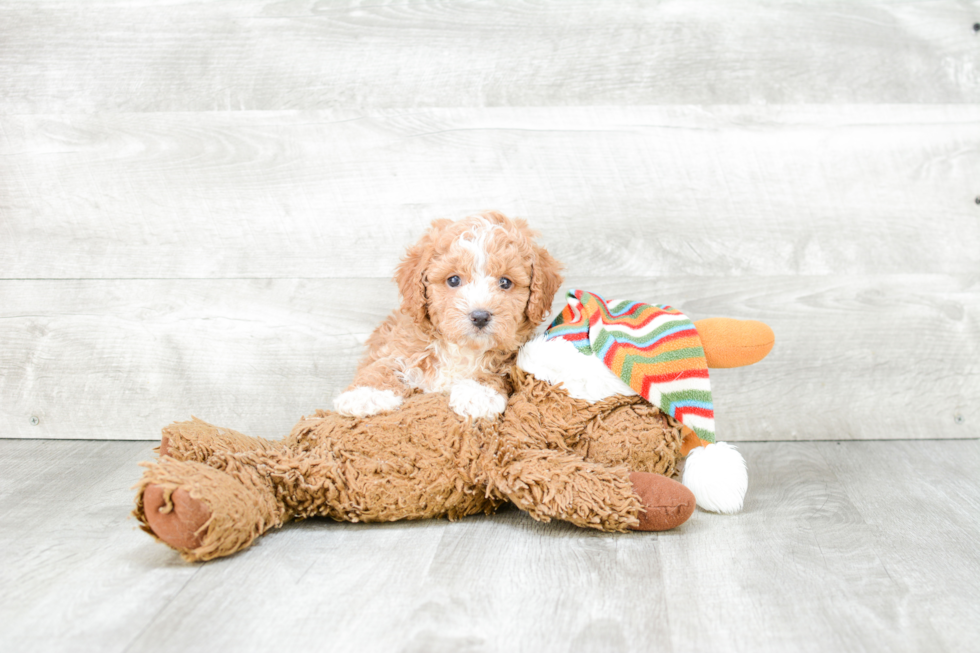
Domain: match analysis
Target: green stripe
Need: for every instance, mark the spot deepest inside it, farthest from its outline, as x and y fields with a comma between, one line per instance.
x=707, y=436
x=643, y=342
x=646, y=339
x=677, y=355
x=615, y=331
x=686, y=395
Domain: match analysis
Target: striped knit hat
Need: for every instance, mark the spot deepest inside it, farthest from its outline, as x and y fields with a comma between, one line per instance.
x=654, y=349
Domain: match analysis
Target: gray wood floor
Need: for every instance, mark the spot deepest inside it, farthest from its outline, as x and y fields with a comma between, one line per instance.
x=843, y=546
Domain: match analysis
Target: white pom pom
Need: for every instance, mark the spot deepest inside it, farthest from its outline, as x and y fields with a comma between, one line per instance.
x=717, y=476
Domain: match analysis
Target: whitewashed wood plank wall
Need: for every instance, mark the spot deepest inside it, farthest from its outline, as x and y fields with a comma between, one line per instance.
x=201, y=203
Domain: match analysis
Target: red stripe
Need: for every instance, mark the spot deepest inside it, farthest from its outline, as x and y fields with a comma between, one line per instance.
x=683, y=374
x=666, y=378
x=633, y=322
x=602, y=312
x=681, y=411
x=686, y=333
x=593, y=303
x=650, y=350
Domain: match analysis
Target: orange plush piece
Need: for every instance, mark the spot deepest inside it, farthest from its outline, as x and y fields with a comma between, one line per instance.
x=734, y=343
x=609, y=463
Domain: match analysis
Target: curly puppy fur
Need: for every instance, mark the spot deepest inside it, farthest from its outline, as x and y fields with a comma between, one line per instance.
x=472, y=292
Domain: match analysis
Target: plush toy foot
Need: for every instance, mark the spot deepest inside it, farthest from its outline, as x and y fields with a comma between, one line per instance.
x=234, y=507
x=666, y=503
x=179, y=522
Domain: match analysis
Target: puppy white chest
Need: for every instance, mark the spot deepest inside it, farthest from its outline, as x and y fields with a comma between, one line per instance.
x=453, y=363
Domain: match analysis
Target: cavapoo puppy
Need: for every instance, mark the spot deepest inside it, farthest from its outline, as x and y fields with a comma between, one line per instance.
x=472, y=292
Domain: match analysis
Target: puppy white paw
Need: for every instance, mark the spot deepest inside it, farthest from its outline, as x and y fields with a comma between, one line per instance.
x=363, y=401
x=471, y=399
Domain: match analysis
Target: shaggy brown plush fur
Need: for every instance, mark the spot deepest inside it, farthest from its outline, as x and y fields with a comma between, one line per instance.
x=553, y=456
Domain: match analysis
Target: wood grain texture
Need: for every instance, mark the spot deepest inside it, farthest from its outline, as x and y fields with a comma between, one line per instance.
x=939, y=500
x=59, y=56
x=803, y=565
x=636, y=191
x=124, y=358
x=856, y=357
x=841, y=546
x=73, y=574
x=221, y=190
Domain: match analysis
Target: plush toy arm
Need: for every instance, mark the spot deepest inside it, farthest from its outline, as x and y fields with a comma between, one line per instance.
x=729, y=342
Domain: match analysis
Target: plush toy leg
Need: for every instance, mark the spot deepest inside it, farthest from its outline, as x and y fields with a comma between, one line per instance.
x=198, y=440
x=203, y=512
x=556, y=456
x=555, y=485
x=634, y=434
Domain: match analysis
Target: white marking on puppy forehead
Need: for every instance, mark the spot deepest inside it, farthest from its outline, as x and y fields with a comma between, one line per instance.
x=475, y=241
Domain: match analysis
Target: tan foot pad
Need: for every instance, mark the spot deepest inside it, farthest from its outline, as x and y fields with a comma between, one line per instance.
x=180, y=527
x=666, y=503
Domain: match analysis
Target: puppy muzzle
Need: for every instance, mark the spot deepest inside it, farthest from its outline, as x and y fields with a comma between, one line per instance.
x=480, y=318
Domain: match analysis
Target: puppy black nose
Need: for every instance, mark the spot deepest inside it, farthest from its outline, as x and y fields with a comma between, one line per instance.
x=480, y=318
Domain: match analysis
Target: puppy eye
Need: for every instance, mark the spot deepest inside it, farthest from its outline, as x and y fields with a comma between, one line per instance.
x=506, y=283
x=453, y=281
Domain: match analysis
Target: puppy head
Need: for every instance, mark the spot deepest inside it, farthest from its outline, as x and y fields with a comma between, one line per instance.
x=481, y=283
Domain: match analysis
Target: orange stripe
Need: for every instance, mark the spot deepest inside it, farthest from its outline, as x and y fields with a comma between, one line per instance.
x=619, y=359
x=660, y=369
x=691, y=440
x=689, y=342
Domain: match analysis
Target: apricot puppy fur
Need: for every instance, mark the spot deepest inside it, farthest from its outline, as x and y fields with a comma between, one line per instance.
x=472, y=292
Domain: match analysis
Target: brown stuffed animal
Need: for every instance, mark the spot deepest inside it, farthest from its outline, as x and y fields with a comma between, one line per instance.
x=606, y=464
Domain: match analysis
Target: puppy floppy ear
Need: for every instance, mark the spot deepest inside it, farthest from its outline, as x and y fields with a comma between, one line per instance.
x=545, y=281
x=410, y=275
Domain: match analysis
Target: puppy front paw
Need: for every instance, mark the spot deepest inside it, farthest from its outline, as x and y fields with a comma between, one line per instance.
x=363, y=401
x=468, y=398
